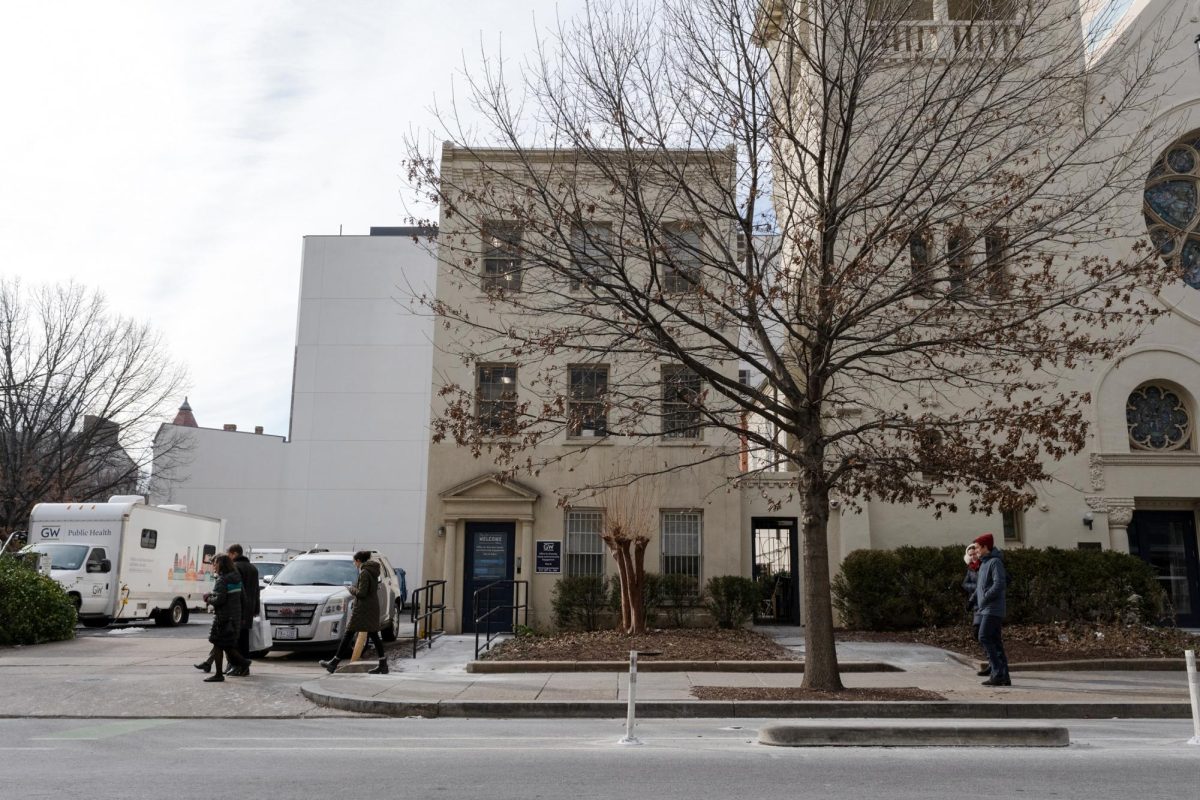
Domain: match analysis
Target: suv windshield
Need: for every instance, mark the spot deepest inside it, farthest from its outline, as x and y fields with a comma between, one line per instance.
x=317, y=572
x=62, y=556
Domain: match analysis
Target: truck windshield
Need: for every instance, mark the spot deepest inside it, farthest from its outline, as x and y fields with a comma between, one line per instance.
x=317, y=572
x=62, y=556
x=266, y=569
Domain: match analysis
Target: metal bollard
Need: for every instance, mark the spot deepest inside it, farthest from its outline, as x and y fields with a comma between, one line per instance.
x=631, y=709
x=1194, y=694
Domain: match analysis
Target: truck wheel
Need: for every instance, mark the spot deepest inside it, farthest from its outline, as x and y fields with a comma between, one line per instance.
x=95, y=622
x=175, y=615
x=392, y=631
x=76, y=601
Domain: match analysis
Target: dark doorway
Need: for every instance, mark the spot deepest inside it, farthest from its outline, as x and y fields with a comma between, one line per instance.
x=487, y=558
x=775, y=554
x=1166, y=540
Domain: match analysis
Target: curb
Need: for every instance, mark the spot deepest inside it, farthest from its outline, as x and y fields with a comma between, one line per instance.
x=505, y=667
x=912, y=736
x=689, y=709
x=1081, y=665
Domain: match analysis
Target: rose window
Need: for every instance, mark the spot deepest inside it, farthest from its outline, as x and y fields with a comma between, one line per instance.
x=1158, y=419
x=1172, y=206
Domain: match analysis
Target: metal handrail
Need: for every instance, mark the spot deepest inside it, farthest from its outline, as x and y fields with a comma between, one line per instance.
x=434, y=595
x=519, y=604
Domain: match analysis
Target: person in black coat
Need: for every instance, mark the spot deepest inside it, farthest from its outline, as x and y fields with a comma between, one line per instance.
x=364, y=618
x=250, y=590
x=226, y=600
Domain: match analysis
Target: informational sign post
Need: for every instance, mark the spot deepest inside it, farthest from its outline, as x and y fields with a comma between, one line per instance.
x=549, y=556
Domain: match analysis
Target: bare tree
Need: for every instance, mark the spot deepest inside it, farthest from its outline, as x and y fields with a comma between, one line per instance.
x=81, y=394
x=627, y=522
x=956, y=211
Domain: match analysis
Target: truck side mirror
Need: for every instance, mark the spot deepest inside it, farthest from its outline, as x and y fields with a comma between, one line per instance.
x=105, y=565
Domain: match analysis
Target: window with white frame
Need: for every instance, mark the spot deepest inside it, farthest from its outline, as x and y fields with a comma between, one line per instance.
x=501, y=257
x=681, y=532
x=496, y=398
x=587, y=387
x=585, y=546
x=682, y=255
x=591, y=253
x=681, y=402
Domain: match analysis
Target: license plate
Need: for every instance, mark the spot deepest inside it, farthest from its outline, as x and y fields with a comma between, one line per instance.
x=284, y=633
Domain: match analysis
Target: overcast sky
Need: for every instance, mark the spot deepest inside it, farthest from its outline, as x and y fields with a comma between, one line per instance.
x=174, y=154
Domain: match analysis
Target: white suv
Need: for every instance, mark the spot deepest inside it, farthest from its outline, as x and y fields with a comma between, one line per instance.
x=308, y=603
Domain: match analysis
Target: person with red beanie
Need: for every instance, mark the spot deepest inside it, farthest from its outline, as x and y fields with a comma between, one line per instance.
x=970, y=581
x=990, y=606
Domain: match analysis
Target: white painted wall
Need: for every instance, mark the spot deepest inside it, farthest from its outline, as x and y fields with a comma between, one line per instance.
x=352, y=473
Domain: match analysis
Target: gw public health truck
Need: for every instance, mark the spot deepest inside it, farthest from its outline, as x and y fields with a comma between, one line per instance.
x=125, y=560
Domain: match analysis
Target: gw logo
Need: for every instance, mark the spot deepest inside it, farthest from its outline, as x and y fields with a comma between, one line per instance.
x=50, y=533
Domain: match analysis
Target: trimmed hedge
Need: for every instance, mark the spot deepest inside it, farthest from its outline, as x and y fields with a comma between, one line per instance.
x=731, y=599
x=914, y=587
x=33, y=608
x=579, y=601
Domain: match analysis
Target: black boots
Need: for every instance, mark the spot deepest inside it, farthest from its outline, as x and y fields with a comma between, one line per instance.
x=204, y=666
x=984, y=671
x=218, y=678
x=382, y=669
x=1005, y=681
x=330, y=664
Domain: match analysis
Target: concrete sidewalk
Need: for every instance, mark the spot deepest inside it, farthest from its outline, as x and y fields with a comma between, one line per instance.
x=437, y=683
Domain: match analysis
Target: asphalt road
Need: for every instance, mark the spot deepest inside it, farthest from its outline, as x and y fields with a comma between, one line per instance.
x=195, y=629
x=496, y=759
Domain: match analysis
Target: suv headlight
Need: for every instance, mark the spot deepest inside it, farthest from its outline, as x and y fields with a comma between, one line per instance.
x=335, y=606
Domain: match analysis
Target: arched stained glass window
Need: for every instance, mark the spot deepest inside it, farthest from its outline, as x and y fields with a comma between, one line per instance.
x=1172, y=206
x=1158, y=418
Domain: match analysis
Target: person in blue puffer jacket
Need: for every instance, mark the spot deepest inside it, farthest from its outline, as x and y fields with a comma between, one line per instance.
x=990, y=606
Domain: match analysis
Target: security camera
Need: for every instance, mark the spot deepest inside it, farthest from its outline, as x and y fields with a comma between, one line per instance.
x=1088, y=518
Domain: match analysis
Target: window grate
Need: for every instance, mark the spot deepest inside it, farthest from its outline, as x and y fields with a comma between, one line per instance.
x=681, y=402
x=585, y=547
x=681, y=545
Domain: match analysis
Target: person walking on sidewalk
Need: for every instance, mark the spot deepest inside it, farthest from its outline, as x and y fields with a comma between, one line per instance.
x=226, y=600
x=250, y=590
x=365, y=616
x=970, y=581
x=990, y=601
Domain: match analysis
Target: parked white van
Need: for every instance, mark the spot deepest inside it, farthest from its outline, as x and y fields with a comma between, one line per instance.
x=125, y=560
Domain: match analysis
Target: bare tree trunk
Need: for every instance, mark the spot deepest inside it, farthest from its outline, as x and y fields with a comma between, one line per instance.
x=637, y=587
x=820, y=657
x=622, y=559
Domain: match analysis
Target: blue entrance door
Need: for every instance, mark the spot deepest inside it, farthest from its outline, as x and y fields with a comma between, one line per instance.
x=488, y=557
